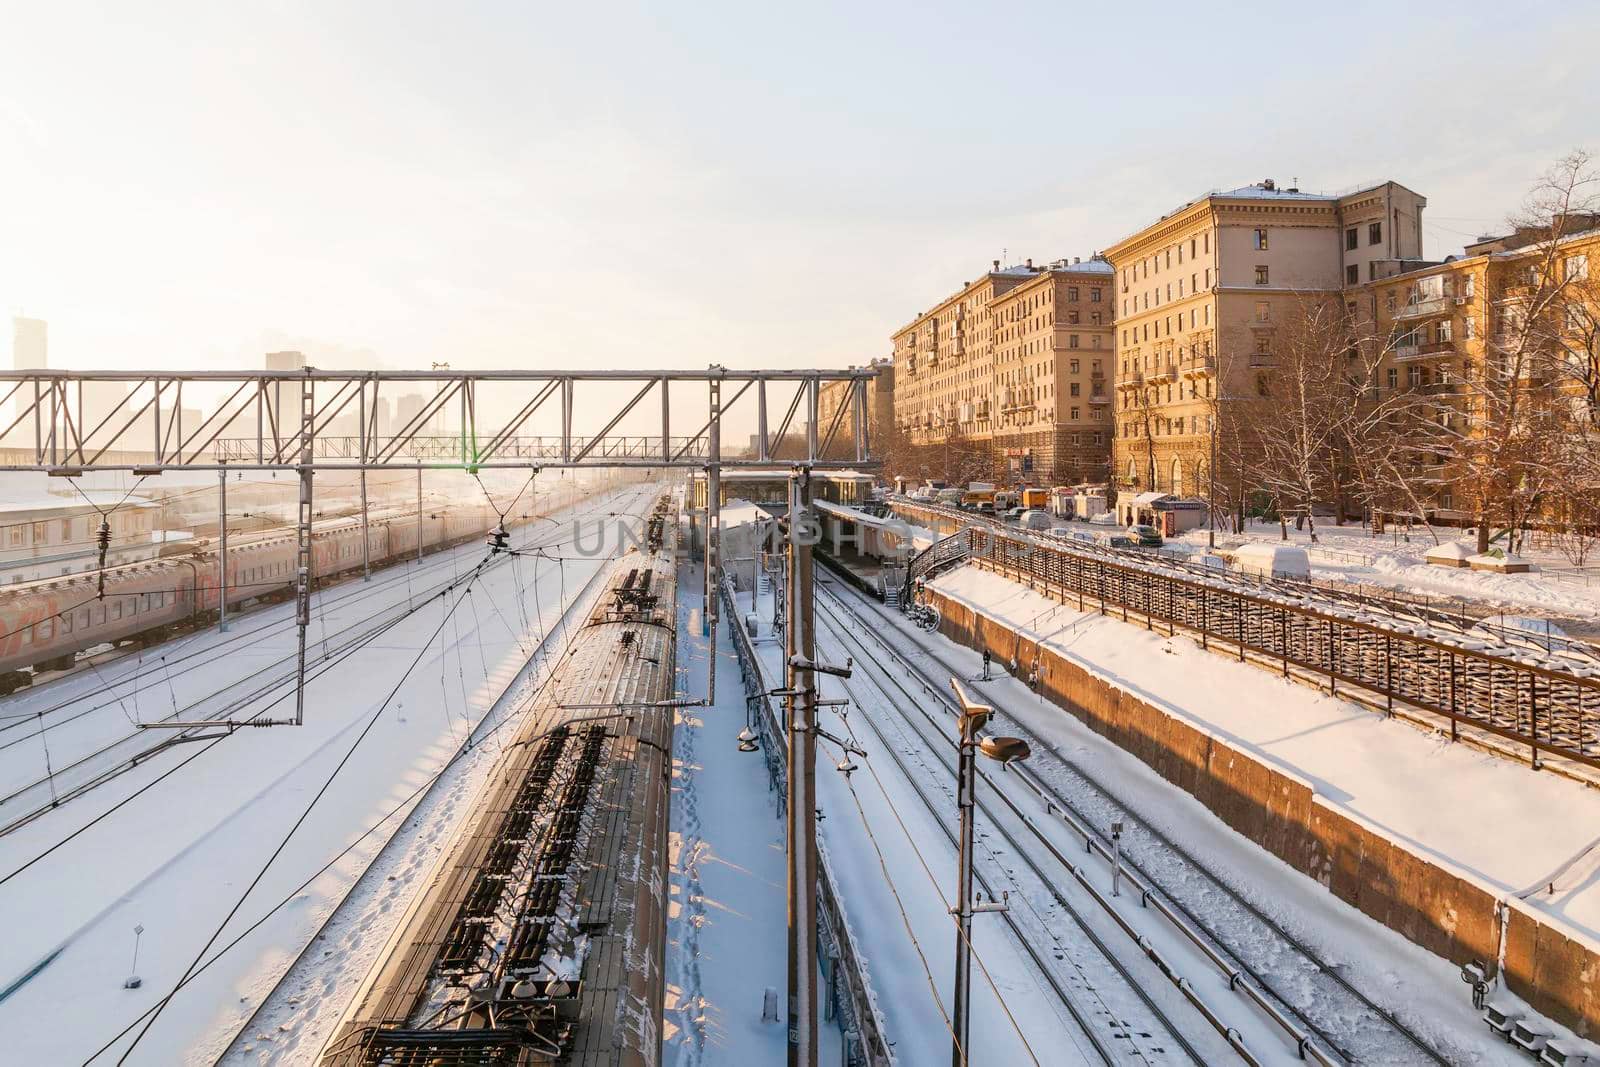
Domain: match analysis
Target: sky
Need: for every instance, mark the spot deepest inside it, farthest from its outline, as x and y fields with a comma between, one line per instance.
x=672, y=185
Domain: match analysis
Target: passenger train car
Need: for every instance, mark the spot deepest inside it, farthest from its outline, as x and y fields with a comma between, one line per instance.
x=45, y=624
x=541, y=935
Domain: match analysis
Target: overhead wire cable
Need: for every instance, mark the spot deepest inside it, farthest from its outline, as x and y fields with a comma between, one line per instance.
x=366, y=730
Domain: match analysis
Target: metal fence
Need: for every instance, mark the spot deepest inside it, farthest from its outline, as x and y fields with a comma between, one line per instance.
x=1549, y=706
x=848, y=997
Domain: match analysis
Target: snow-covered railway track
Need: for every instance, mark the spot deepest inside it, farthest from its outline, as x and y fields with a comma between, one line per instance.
x=71, y=774
x=1324, y=1015
x=371, y=890
x=1109, y=1004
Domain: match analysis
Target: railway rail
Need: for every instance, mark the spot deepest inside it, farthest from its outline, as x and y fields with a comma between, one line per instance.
x=1120, y=1018
x=87, y=769
x=1321, y=1013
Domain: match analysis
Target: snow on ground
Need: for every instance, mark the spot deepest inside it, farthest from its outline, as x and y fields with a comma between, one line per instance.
x=726, y=924
x=1394, y=560
x=881, y=873
x=179, y=851
x=1474, y=812
x=1424, y=990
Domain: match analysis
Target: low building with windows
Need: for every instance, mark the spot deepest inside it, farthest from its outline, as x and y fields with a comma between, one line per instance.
x=51, y=536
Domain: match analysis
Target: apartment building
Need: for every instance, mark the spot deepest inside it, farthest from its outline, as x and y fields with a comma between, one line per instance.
x=1200, y=292
x=879, y=408
x=1053, y=350
x=1007, y=363
x=1437, y=324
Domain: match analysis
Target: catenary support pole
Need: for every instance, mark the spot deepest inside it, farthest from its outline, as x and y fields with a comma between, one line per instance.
x=802, y=813
x=713, y=535
x=302, y=588
x=366, y=537
x=960, y=1011
x=419, y=512
x=222, y=550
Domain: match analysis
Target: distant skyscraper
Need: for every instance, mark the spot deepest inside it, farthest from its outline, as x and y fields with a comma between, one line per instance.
x=286, y=361
x=285, y=397
x=29, y=344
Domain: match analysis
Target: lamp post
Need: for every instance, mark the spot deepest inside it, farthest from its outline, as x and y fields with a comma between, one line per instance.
x=1004, y=750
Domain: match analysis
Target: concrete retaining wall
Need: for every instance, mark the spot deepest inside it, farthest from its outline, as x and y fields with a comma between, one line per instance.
x=1445, y=912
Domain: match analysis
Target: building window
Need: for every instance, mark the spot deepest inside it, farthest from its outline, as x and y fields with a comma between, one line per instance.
x=1261, y=274
x=1072, y=340
x=1375, y=233
x=1350, y=239
x=1207, y=237
x=1352, y=275
x=1441, y=332
x=1263, y=311
x=1469, y=327
x=1074, y=389
x=1072, y=318
x=1094, y=296
x=1389, y=301
x=1094, y=318
x=1413, y=375
x=1208, y=277
x=1261, y=240
x=1577, y=268
x=1072, y=294
x=1393, y=377
x=1263, y=346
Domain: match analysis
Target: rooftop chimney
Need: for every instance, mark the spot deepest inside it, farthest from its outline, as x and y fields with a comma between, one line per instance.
x=1269, y=185
x=1030, y=263
x=1074, y=261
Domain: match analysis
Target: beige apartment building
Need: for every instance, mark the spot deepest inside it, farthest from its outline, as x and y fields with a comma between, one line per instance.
x=1200, y=292
x=1438, y=323
x=1017, y=364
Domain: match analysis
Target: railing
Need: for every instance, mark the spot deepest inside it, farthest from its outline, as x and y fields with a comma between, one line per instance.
x=930, y=561
x=849, y=991
x=1550, y=703
x=453, y=448
x=1437, y=305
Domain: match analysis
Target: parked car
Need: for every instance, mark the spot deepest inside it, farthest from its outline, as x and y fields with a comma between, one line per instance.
x=1144, y=536
x=1036, y=519
x=1012, y=514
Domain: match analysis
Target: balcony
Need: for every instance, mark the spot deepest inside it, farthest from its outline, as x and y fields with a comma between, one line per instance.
x=1263, y=359
x=1169, y=374
x=1200, y=367
x=1099, y=396
x=1441, y=388
x=1430, y=350
x=1437, y=305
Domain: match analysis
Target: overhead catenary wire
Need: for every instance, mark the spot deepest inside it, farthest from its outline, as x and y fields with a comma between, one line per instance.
x=283, y=843
x=360, y=641
x=462, y=750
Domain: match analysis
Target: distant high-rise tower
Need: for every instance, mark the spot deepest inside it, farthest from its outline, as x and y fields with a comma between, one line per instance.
x=285, y=396
x=29, y=343
x=286, y=361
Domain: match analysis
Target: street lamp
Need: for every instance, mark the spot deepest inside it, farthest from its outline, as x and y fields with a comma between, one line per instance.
x=1004, y=750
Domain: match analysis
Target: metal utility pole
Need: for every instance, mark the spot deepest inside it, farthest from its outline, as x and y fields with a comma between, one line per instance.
x=366, y=435
x=366, y=538
x=419, y=511
x=802, y=741
x=1005, y=750
x=302, y=589
x=713, y=533
x=222, y=549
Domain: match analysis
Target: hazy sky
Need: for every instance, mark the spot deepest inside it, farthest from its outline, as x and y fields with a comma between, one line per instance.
x=604, y=185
